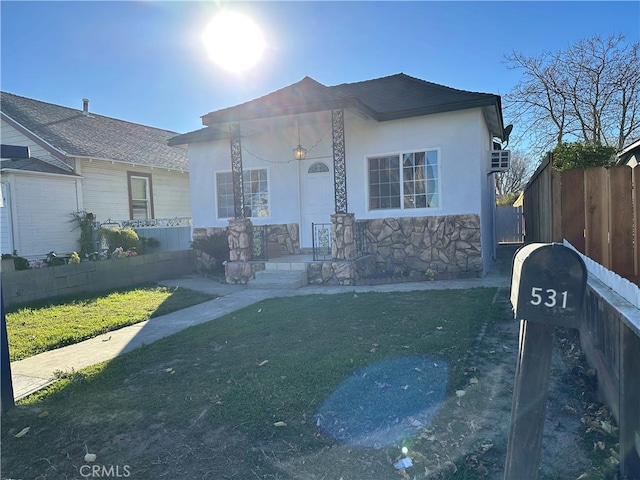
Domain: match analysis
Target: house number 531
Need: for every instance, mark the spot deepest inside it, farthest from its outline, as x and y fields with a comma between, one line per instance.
x=548, y=298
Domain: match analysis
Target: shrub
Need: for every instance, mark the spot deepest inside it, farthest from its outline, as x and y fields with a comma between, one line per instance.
x=148, y=244
x=581, y=155
x=86, y=224
x=19, y=263
x=125, y=238
x=216, y=247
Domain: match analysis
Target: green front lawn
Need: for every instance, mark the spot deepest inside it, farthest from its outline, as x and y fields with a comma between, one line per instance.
x=240, y=397
x=49, y=325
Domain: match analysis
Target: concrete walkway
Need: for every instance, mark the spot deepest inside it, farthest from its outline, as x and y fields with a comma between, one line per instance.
x=34, y=373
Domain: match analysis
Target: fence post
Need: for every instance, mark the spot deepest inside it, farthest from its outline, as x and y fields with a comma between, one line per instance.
x=636, y=217
x=597, y=215
x=629, y=401
x=620, y=220
x=556, y=205
x=6, y=384
x=547, y=290
x=573, y=207
x=529, y=401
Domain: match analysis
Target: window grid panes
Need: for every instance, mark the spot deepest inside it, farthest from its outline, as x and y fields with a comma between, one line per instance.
x=256, y=193
x=419, y=185
x=384, y=182
x=140, y=197
x=224, y=188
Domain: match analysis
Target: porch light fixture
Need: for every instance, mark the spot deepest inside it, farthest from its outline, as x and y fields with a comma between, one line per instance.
x=299, y=153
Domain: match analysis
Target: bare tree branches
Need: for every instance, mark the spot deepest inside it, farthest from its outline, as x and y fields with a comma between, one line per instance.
x=589, y=92
x=514, y=179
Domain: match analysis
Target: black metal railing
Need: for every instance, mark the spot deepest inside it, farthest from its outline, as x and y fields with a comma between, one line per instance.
x=321, y=243
x=363, y=246
x=259, y=243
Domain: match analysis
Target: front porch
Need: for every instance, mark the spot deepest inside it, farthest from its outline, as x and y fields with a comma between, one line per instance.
x=357, y=251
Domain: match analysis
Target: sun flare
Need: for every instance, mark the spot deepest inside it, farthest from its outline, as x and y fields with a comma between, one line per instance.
x=234, y=41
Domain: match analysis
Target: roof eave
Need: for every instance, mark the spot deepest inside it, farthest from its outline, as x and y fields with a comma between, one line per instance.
x=207, y=134
x=281, y=111
x=54, y=151
x=452, y=107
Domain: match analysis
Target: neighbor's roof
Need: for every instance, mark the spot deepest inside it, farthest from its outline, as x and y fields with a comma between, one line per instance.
x=628, y=152
x=33, y=165
x=76, y=134
x=387, y=98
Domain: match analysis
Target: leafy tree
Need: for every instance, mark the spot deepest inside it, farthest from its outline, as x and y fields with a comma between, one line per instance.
x=589, y=92
x=580, y=155
x=508, y=199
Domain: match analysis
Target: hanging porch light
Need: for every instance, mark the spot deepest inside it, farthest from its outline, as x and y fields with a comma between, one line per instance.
x=299, y=153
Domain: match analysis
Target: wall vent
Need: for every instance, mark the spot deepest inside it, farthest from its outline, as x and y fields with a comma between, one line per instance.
x=500, y=160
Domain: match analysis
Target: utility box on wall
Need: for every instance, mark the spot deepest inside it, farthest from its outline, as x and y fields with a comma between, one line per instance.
x=548, y=285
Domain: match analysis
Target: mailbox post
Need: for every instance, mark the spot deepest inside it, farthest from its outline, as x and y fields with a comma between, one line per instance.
x=547, y=291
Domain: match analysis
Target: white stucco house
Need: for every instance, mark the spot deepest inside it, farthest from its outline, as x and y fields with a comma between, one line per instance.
x=398, y=169
x=81, y=161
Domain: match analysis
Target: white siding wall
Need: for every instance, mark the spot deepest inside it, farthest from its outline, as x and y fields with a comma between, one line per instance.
x=6, y=243
x=106, y=192
x=11, y=136
x=457, y=135
x=43, y=205
x=171, y=196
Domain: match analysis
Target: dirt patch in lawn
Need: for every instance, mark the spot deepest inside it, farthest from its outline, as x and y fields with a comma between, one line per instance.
x=468, y=437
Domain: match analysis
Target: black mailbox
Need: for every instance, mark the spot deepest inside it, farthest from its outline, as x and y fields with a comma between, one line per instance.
x=548, y=284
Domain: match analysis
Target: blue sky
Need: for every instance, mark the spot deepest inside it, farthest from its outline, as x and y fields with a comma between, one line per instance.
x=145, y=62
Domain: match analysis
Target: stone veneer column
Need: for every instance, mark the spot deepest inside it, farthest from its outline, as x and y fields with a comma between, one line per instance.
x=343, y=236
x=240, y=239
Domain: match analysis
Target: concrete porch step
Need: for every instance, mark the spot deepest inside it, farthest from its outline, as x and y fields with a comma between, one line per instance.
x=279, y=279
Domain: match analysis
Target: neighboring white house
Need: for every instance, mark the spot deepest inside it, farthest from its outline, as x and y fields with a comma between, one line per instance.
x=408, y=162
x=81, y=161
x=629, y=155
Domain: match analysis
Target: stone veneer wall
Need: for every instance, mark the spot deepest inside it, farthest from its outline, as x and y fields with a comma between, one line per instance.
x=239, y=270
x=204, y=262
x=287, y=235
x=450, y=245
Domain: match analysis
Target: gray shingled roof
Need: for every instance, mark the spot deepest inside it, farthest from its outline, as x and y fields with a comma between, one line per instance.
x=95, y=136
x=402, y=96
x=33, y=165
x=307, y=95
x=387, y=98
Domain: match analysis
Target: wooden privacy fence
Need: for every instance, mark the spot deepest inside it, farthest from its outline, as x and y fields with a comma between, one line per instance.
x=509, y=225
x=596, y=210
x=610, y=338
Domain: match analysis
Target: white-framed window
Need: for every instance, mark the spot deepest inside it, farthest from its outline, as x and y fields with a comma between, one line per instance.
x=140, y=196
x=404, y=180
x=256, y=193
